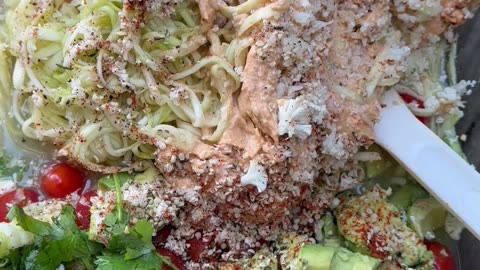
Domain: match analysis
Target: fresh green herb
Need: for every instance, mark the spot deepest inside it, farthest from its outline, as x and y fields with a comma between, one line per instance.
x=128, y=247
x=108, y=183
x=62, y=242
x=56, y=244
x=450, y=65
x=28, y=223
x=132, y=250
x=150, y=261
x=10, y=169
x=118, y=191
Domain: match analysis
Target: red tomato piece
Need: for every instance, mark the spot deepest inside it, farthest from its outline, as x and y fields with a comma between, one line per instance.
x=413, y=100
x=161, y=237
x=20, y=197
x=410, y=99
x=174, y=258
x=194, y=251
x=61, y=180
x=443, y=259
x=82, y=210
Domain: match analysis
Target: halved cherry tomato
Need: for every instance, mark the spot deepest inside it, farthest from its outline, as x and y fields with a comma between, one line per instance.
x=443, y=259
x=61, y=180
x=82, y=209
x=174, y=258
x=20, y=197
x=413, y=100
x=195, y=249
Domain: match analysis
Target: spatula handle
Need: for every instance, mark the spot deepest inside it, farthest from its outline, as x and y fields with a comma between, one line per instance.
x=448, y=177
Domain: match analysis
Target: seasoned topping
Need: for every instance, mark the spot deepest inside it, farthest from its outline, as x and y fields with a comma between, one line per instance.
x=370, y=223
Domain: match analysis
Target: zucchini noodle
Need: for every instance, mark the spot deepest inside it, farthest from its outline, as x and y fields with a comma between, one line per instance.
x=438, y=90
x=109, y=82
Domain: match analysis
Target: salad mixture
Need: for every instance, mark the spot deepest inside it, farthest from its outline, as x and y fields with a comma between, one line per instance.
x=221, y=134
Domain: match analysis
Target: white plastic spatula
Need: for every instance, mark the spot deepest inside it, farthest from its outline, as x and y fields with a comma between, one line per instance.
x=448, y=177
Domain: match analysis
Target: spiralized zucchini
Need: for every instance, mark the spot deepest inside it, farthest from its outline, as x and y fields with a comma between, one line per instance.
x=109, y=82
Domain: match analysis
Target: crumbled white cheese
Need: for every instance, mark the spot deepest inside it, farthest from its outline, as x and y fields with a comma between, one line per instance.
x=293, y=118
x=302, y=18
x=431, y=103
x=161, y=208
x=449, y=94
x=256, y=175
x=6, y=186
x=136, y=195
x=45, y=210
x=333, y=145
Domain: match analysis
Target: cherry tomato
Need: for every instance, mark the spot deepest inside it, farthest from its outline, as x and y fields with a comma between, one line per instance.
x=197, y=246
x=443, y=259
x=409, y=100
x=82, y=210
x=61, y=180
x=174, y=258
x=20, y=197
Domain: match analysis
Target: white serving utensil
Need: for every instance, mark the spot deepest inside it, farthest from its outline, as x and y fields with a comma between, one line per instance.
x=448, y=177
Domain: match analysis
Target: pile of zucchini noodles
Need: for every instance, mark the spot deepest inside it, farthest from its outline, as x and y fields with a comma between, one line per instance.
x=111, y=82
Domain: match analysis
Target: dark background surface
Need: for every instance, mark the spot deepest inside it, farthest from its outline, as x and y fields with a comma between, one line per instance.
x=468, y=63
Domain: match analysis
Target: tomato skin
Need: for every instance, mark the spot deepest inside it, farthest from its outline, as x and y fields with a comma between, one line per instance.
x=174, y=258
x=20, y=197
x=195, y=249
x=61, y=180
x=443, y=259
x=161, y=237
x=409, y=100
x=82, y=210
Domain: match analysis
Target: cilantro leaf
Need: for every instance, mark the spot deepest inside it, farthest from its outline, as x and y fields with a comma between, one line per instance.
x=129, y=245
x=108, y=183
x=150, y=261
x=145, y=231
x=58, y=243
x=131, y=250
x=62, y=242
x=64, y=227
x=14, y=259
x=28, y=223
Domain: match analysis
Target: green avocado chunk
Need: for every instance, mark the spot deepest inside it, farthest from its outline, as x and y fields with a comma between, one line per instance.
x=347, y=260
x=407, y=194
x=377, y=227
x=317, y=257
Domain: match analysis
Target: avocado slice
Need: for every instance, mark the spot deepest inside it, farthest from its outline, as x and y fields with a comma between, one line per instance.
x=378, y=167
x=317, y=257
x=406, y=195
x=370, y=223
x=326, y=231
x=389, y=265
x=426, y=215
x=347, y=260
